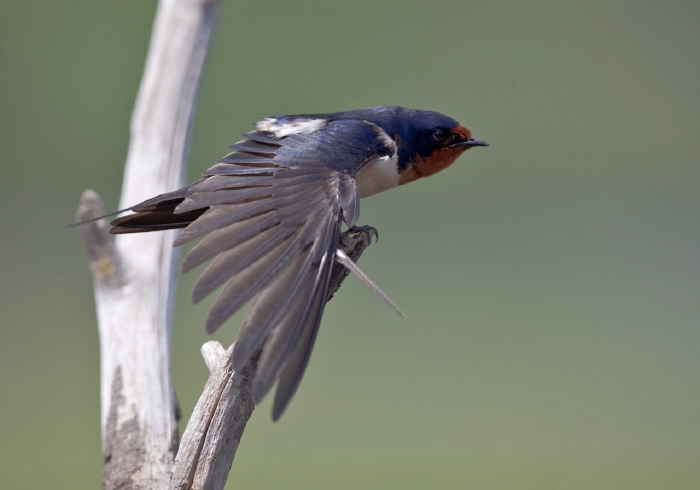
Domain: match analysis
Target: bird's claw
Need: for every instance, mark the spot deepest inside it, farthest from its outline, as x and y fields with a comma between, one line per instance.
x=367, y=230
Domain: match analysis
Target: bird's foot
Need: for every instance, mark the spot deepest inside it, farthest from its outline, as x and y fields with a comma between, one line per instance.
x=367, y=230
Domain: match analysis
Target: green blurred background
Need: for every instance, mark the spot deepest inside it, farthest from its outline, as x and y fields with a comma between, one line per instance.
x=551, y=281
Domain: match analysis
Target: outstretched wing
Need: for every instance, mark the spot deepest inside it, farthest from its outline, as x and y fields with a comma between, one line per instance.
x=272, y=211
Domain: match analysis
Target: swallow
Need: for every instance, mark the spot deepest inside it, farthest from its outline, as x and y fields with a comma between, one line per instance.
x=272, y=211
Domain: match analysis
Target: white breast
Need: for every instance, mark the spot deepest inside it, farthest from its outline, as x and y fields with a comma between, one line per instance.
x=380, y=175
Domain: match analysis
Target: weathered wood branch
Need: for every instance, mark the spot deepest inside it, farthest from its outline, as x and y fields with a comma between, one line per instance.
x=134, y=274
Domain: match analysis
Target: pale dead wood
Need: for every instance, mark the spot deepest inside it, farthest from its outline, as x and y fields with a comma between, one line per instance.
x=134, y=274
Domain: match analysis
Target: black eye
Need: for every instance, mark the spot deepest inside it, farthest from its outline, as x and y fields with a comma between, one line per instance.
x=441, y=135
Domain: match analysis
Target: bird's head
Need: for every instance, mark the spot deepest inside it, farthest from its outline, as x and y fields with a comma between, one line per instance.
x=429, y=142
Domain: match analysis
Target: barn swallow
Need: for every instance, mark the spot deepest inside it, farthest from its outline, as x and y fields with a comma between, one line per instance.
x=272, y=211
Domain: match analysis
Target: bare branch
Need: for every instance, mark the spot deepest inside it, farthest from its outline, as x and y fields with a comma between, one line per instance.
x=134, y=275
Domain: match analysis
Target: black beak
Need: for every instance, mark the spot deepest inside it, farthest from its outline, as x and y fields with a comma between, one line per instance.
x=472, y=142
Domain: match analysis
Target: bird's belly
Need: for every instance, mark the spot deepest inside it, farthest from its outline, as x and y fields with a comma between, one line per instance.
x=380, y=175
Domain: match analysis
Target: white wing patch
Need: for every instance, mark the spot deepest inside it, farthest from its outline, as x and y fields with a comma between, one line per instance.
x=295, y=126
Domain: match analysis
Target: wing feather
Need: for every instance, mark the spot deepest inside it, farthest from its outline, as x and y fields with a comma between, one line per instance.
x=299, y=360
x=237, y=292
x=229, y=169
x=227, y=237
x=240, y=258
x=223, y=215
x=263, y=137
x=221, y=182
x=305, y=309
x=199, y=200
x=268, y=308
x=255, y=147
x=240, y=157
